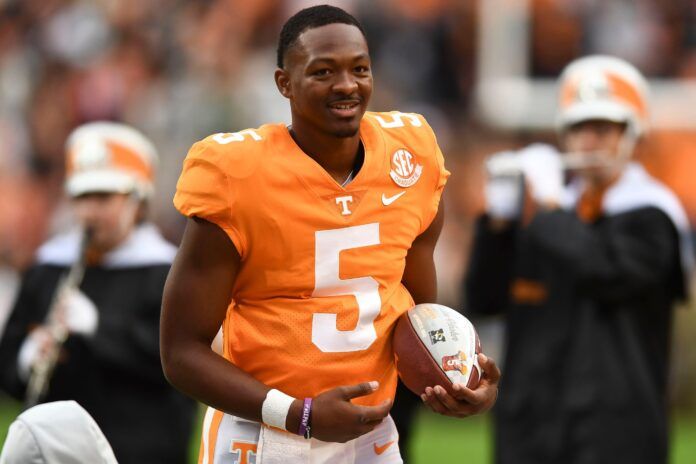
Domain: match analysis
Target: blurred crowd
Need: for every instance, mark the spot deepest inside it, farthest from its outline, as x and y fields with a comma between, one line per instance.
x=658, y=37
x=180, y=70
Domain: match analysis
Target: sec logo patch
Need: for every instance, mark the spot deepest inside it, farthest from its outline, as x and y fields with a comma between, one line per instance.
x=405, y=170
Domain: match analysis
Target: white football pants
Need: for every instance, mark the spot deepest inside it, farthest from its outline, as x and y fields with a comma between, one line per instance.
x=231, y=440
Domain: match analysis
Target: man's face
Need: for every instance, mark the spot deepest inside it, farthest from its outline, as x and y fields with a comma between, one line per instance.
x=328, y=79
x=110, y=216
x=600, y=142
x=595, y=136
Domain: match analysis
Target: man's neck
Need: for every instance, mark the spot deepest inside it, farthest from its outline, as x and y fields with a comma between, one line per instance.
x=96, y=252
x=599, y=184
x=337, y=155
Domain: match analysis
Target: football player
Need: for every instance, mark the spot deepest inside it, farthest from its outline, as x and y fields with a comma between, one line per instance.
x=307, y=242
x=586, y=275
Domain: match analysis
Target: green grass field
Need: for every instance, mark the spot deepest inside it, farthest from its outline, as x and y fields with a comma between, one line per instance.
x=442, y=440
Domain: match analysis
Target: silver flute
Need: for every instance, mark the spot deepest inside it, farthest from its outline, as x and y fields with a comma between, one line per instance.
x=43, y=367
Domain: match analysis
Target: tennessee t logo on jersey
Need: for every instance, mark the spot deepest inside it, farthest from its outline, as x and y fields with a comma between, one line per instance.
x=405, y=171
x=343, y=201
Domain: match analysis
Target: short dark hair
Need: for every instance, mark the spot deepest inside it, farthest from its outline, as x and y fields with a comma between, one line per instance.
x=310, y=18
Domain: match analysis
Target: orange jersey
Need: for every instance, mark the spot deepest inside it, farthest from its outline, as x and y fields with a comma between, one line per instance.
x=319, y=288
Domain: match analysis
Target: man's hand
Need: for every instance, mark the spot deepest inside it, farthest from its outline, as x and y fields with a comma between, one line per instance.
x=77, y=312
x=466, y=402
x=336, y=419
x=542, y=167
x=504, y=186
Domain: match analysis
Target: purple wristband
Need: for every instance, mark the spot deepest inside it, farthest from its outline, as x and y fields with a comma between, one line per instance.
x=305, y=428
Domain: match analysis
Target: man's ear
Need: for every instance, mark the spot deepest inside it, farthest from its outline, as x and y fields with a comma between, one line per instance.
x=282, y=80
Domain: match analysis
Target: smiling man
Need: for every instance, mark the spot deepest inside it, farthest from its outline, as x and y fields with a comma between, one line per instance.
x=307, y=243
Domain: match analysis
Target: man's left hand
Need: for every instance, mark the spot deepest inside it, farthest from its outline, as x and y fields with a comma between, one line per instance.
x=466, y=401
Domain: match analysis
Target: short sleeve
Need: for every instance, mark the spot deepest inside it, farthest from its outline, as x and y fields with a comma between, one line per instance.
x=443, y=173
x=204, y=191
x=440, y=180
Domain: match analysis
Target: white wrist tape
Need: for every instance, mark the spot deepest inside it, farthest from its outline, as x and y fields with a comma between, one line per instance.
x=274, y=410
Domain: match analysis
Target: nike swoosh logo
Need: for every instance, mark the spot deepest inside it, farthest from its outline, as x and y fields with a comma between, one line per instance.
x=386, y=201
x=381, y=449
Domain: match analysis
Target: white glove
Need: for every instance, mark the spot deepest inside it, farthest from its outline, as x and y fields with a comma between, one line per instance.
x=77, y=312
x=81, y=316
x=504, y=185
x=32, y=348
x=543, y=171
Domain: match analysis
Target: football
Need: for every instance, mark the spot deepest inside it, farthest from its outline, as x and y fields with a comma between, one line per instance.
x=435, y=345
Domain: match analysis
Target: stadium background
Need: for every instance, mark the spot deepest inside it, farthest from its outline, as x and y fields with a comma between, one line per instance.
x=481, y=71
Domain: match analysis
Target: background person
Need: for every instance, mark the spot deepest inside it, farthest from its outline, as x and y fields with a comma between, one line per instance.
x=586, y=276
x=109, y=362
x=58, y=432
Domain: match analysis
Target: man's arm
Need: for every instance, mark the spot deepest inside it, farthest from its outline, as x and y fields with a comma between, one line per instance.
x=419, y=276
x=421, y=281
x=196, y=296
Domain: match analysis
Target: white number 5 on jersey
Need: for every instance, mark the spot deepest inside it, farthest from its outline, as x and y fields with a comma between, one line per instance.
x=223, y=138
x=398, y=120
x=327, y=282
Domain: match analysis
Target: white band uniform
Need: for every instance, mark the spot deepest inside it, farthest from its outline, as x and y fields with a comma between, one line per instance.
x=274, y=410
